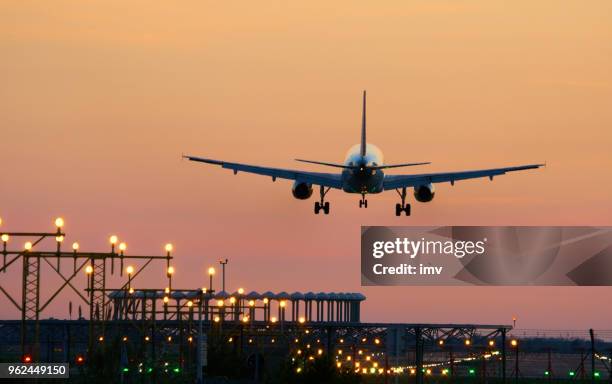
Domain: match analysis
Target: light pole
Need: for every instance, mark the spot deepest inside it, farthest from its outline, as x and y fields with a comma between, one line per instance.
x=211, y=273
x=223, y=264
x=199, y=376
x=515, y=345
x=169, y=273
x=129, y=271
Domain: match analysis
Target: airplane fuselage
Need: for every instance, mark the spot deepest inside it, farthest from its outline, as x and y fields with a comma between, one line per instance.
x=363, y=179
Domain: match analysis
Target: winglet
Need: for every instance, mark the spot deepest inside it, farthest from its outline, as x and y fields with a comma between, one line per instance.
x=363, y=126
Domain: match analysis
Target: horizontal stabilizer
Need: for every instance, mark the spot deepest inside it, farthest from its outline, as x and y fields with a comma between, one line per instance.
x=399, y=165
x=324, y=163
x=356, y=166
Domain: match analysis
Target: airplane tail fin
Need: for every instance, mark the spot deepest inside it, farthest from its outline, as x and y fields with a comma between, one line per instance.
x=363, y=126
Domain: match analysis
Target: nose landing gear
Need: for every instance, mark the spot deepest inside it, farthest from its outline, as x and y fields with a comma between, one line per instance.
x=322, y=205
x=363, y=202
x=403, y=207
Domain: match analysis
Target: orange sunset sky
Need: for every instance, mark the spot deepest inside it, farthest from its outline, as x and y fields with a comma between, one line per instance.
x=99, y=99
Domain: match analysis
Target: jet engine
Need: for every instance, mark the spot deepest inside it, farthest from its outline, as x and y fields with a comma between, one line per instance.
x=301, y=190
x=424, y=193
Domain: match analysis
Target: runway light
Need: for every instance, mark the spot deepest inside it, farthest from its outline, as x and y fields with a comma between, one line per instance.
x=28, y=246
x=75, y=246
x=5, y=237
x=59, y=222
x=89, y=269
x=129, y=269
x=113, y=239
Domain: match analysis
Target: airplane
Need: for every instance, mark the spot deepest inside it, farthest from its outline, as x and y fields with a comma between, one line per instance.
x=363, y=173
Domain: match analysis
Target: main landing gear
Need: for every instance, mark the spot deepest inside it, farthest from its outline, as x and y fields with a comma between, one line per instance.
x=403, y=207
x=322, y=205
x=363, y=202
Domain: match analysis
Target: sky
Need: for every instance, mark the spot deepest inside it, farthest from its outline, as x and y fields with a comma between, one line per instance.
x=99, y=99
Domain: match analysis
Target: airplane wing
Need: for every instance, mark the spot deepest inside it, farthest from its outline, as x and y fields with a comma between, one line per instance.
x=323, y=179
x=400, y=181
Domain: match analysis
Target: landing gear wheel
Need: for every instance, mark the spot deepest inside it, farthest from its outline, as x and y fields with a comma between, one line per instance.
x=326, y=208
x=363, y=203
x=322, y=205
x=402, y=207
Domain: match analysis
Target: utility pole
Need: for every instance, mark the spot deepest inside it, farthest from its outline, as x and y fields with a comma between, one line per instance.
x=592, y=334
x=223, y=264
x=199, y=356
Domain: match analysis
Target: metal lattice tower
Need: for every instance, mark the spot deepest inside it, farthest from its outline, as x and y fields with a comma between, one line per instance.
x=30, y=299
